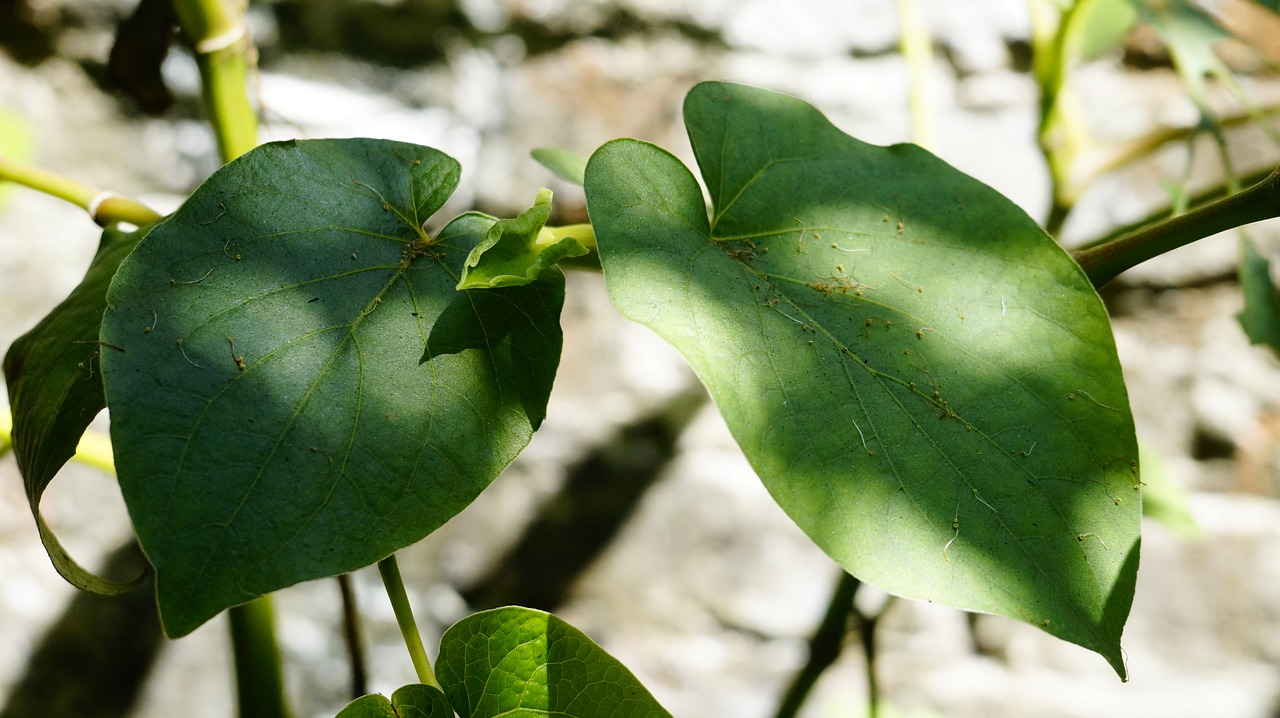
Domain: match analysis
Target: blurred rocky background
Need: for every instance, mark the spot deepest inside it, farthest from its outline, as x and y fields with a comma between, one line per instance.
x=677, y=562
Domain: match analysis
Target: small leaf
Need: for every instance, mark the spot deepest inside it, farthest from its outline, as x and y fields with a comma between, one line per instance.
x=1163, y=499
x=568, y=166
x=922, y=378
x=370, y=706
x=302, y=391
x=55, y=391
x=517, y=251
x=413, y=701
x=1260, y=318
x=1095, y=27
x=523, y=663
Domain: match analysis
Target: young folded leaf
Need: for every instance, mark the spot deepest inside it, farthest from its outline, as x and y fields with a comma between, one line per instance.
x=517, y=251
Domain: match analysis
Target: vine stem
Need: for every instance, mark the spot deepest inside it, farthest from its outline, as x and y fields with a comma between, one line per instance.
x=916, y=47
x=1104, y=262
x=394, y=584
x=217, y=34
x=103, y=207
x=259, y=686
x=351, y=632
x=219, y=37
x=824, y=646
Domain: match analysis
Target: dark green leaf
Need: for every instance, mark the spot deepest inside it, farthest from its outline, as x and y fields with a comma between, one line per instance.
x=517, y=251
x=1261, y=316
x=414, y=701
x=313, y=393
x=55, y=391
x=921, y=377
x=521, y=663
x=568, y=166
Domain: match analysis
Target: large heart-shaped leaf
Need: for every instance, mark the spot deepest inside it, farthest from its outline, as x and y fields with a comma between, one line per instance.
x=522, y=663
x=301, y=391
x=923, y=380
x=55, y=391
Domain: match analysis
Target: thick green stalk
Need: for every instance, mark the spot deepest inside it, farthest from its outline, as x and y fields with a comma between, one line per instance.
x=219, y=38
x=259, y=684
x=394, y=584
x=217, y=34
x=104, y=207
x=1104, y=262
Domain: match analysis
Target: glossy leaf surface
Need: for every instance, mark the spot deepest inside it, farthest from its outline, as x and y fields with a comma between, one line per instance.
x=522, y=663
x=923, y=380
x=301, y=390
x=414, y=701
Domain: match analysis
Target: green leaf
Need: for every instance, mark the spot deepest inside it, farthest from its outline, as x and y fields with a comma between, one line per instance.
x=922, y=378
x=1190, y=34
x=1261, y=315
x=313, y=393
x=55, y=391
x=517, y=251
x=521, y=663
x=568, y=166
x=1095, y=27
x=413, y=701
x=1163, y=499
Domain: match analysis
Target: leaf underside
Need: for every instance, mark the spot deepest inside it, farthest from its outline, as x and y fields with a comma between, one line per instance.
x=301, y=390
x=55, y=391
x=922, y=379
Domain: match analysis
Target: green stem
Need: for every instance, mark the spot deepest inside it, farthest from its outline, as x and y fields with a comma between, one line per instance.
x=218, y=36
x=220, y=40
x=1104, y=262
x=105, y=208
x=259, y=684
x=824, y=646
x=867, y=633
x=917, y=49
x=394, y=584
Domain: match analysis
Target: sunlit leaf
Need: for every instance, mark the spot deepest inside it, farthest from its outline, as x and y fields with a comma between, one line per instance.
x=921, y=377
x=415, y=701
x=521, y=663
x=568, y=166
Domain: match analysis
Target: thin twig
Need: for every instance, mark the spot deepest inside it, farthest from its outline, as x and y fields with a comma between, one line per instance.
x=351, y=633
x=824, y=646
